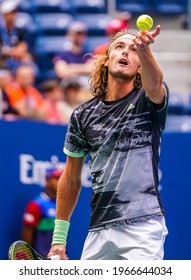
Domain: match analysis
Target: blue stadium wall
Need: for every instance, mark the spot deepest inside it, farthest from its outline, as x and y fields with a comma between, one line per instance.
x=27, y=148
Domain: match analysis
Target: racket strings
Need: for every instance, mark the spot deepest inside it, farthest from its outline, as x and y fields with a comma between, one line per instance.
x=22, y=252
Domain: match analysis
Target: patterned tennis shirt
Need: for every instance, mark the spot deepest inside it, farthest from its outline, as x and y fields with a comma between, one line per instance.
x=123, y=140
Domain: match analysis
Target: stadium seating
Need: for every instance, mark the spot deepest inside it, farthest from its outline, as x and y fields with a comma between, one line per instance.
x=50, y=45
x=133, y=6
x=96, y=24
x=89, y=6
x=170, y=7
x=95, y=41
x=178, y=123
x=176, y=104
x=52, y=23
x=46, y=47
x=26, y=6
x=26, y=22
x=52, y=6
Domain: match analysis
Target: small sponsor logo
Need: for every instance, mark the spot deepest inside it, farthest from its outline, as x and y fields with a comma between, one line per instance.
x=131, y=106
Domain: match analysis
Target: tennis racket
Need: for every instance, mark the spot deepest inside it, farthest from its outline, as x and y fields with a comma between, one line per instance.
x=21, y=250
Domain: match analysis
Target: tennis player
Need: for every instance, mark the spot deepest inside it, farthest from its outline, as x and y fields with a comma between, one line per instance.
x=121, y=128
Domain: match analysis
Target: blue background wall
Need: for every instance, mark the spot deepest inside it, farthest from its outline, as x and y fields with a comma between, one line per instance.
x=27, y=148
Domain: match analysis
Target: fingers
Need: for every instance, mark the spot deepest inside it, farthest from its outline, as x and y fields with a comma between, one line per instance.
x=143, y=41
x=58, y=250
x=156, y=31
x=145, y=38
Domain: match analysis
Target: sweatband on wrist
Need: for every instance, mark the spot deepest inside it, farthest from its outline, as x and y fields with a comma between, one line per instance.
x=60, y=232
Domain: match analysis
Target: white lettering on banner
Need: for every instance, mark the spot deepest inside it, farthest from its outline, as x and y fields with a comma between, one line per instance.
x=32, y=171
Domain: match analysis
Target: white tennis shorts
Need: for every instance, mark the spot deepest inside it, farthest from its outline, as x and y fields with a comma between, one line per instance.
x=138, y=241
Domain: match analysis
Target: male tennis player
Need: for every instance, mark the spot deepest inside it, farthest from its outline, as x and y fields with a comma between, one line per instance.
x=121, y=128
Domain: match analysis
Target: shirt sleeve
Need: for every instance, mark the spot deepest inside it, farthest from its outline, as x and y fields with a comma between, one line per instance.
x=160, y=113
x=75, y=142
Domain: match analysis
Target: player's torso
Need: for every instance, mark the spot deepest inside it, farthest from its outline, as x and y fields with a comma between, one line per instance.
x=119, y=136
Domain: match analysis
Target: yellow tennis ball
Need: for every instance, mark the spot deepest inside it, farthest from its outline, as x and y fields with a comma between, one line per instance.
x=144, y=22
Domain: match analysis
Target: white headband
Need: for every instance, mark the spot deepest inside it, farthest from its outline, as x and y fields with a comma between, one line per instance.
x=125, y=36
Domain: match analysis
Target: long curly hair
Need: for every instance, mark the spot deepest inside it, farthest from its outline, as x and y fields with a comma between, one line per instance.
x=99, y=76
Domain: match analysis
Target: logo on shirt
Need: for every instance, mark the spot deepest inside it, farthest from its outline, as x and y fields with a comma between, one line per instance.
x=131, y=106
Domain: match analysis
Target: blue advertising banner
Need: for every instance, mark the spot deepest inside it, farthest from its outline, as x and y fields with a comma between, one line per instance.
x=27, y=148
x=176, y=193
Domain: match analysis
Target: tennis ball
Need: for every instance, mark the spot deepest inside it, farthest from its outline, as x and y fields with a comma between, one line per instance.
x=144, y=22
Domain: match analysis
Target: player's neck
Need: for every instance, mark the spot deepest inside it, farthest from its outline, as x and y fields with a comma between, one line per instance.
x=117, y=90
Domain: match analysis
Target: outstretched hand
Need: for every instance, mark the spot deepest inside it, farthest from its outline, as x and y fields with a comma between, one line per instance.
x=145, y=38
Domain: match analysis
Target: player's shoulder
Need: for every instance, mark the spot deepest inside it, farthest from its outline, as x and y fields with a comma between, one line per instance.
x=87, y=105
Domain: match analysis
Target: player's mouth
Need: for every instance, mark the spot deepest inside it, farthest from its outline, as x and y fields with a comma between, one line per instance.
x=123, y=62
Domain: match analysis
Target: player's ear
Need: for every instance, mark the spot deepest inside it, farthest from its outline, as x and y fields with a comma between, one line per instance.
x=106, y=63
x=139, y=70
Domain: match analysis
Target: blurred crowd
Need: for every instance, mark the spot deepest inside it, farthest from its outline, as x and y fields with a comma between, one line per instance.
x=51, y=99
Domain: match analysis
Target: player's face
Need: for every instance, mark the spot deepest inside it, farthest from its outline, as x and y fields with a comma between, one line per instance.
x=123, y=60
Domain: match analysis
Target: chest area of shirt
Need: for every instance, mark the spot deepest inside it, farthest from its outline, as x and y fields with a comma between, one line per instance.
x=119, y=128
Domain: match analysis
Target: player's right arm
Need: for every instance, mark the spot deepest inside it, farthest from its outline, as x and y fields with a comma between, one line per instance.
x=68, y=190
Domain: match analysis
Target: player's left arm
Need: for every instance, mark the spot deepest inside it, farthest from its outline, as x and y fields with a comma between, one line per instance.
x=151, y=73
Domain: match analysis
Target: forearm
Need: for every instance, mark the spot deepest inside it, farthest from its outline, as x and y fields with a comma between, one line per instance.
x=151, y=74
x=29, y=113
x=64, y=69
x=81, y=68
x=68, y=190
x=67, y=196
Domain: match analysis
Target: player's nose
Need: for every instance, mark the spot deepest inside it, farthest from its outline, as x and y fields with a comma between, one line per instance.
x=126, y=50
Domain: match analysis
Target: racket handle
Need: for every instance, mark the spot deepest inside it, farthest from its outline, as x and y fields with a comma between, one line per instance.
x=55, y=257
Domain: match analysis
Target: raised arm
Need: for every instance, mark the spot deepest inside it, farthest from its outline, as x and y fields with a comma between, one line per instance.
x=151, y=73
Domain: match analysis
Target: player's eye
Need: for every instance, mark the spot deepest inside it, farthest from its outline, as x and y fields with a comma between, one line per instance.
x=119, y=46
x=133, y=49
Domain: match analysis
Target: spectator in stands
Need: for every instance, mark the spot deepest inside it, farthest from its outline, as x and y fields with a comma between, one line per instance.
x=57, y=111
x=122, y=21
x=23, y=95
x=39, y=215
x=74, y=59
x=71, y=90
x=6, y=110
x=13, y=44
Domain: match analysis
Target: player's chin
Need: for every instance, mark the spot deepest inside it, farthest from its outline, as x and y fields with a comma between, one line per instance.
x=121, y=74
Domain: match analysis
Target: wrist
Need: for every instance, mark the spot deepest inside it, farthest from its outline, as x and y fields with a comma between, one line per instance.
x=60, y=232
